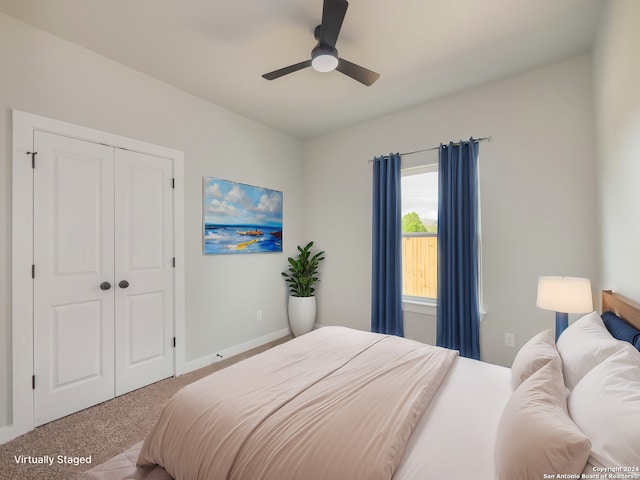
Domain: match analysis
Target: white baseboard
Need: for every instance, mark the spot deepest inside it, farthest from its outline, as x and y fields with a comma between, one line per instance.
x=235, y=350
x=9, y=432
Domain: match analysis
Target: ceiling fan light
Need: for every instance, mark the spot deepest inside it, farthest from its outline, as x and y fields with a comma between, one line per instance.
x=324, y=62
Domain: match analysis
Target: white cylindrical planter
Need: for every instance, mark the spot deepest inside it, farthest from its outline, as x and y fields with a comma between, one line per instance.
x=302, y=314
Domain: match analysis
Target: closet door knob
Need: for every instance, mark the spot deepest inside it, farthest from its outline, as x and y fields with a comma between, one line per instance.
x=123, y=284
x=105, y=286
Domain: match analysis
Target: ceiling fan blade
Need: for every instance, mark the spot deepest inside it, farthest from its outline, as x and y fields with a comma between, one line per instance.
x=333, y=12
x=286, y=70
x=361, y=74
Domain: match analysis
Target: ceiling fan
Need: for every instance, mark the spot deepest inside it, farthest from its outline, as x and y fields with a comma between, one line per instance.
x=324, y=56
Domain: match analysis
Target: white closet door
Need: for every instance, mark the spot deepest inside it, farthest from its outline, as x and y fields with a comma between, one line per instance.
x=73, y=256
x=144, y=252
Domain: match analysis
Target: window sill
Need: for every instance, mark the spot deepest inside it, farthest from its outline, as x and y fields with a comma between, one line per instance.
x=426, y=307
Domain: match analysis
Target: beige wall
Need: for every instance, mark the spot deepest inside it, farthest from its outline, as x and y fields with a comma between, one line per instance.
x=617, y=108
x=537, y=186
x=42, y=74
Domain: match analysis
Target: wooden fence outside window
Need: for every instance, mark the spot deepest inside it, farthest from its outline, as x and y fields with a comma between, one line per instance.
x=420, y=264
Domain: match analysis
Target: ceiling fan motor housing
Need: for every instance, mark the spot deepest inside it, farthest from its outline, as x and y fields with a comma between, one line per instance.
x=324, y=58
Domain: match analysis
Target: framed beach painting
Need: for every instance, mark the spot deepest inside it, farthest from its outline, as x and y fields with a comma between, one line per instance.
x=239, y=218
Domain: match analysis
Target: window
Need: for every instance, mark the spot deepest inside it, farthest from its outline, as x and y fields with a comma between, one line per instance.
x=419, y=187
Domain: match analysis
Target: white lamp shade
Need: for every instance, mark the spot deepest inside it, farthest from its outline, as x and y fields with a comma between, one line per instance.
x=565, y=294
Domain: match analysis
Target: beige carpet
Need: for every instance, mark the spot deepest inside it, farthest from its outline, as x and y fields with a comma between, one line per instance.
x=101, y=432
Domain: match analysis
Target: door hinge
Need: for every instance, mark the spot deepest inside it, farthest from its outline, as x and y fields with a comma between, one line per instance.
x=33, y=271
x=33, y=158
x=174, y=342
x=174, y=262
x=173, y=183
x=33, y=382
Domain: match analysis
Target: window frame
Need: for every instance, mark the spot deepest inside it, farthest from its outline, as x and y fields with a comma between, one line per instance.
x=412, y=303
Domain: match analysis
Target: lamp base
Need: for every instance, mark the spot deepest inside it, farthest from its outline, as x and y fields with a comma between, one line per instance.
x=562, y=322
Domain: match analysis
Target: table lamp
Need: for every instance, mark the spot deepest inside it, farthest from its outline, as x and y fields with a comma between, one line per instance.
x=564, y=295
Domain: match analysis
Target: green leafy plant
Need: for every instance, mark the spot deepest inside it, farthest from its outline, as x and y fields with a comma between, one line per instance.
x=303, y=271
x=412, y=223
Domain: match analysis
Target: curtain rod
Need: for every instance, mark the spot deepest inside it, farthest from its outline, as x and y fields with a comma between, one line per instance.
x=481, y=139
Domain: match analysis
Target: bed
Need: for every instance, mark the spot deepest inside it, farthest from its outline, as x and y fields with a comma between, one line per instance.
x=394, y=408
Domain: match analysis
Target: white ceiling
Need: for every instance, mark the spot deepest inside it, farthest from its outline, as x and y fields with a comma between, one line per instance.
x=218, y=50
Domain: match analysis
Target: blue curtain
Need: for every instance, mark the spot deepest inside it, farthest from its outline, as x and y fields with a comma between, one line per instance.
x=386, y=289
x=458, y=310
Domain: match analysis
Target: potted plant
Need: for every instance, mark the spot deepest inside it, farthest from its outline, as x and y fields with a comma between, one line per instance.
x=301, y=277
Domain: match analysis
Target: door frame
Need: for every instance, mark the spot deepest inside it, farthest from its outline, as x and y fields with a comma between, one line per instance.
x=24, y=124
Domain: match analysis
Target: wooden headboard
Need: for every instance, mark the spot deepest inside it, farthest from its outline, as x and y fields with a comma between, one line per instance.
x=623, y=307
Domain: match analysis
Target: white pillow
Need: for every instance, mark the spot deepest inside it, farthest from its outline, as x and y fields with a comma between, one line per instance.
x=605, y=405
x=533, y=355
x=535, y=435
x=582, y=346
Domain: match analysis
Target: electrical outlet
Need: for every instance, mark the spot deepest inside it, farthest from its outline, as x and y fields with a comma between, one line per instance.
x=259, y=316
x=509, y=340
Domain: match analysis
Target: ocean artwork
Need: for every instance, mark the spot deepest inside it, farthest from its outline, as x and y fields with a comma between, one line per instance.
x=239, y=218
